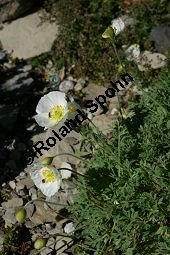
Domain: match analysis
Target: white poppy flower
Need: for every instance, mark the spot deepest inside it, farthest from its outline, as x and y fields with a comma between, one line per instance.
x=46, y=178
x=51, y=109
x=133, y=52
x=69, y=228
x=118, y=25
x=65, y=174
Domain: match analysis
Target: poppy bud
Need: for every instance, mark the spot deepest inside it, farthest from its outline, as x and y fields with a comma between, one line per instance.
x=47, y=160
x=21, y=215
x=40, y=243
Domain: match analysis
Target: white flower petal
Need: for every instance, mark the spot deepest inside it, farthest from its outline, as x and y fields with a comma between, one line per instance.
x=133, y=52
x=47, y=188
x=43, y=120
x=51, y=109
x=118, y=25
x=65, y=174
x=50, y=100
x=69, y=228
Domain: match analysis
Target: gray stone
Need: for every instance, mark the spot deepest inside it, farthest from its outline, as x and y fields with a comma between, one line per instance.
x=12, y=184
x=63, y=244
x=29, y=36
x=46, y=251
x=22, y=174
x=161, y=37
x=9, y=217
x=12, y=203
x=102, y=123
x=27, y=182
x=19, y=187
x=30, y=210
x=51, y=243
x=13, y=9
x=79, y=85
x=66, y=86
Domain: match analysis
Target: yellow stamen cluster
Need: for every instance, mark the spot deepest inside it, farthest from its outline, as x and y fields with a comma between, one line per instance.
x=48, y=175
x=57, y=113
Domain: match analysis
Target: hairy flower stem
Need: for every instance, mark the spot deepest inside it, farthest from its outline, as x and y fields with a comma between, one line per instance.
x=69, y=154
x=64, y=168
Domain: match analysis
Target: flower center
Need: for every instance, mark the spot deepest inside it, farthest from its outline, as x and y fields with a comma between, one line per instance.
x=72, y=108
x=57, y=113
x=48, y=175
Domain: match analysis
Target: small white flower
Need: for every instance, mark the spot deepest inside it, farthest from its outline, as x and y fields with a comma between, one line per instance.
x=133, y=52
x=65, y=174
x=69, y=228
x=46, y=178
x=51, y=109
x=118, y=25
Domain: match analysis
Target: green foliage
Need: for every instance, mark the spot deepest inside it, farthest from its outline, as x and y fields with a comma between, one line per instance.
x=83, y=23
x=122, y=207
x=16, y=241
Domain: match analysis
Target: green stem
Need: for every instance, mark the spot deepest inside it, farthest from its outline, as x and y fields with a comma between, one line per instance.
x=119, y=166
x=69, y=154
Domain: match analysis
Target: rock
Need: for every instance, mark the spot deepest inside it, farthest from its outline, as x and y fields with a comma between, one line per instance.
x=9, y=217
x=102, y=122
x=161, y=37
x=27, y=182
x=54, y=230
x=12, y=203
x=79, y=85
x=12, y=184
x=33, y=193
x=30, y=210
x=92, y=91
x=51, y=243
x=66, y=86
x=46, y=251
x=150, y=60
x=19, y=186
x=28, y=37
x=61, y=73
x=63, y=244
x=13, y=9
x=42, y=215
x=22, y=174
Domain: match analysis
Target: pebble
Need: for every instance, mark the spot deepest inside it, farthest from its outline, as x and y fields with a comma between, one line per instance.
x=51, y=242
x=30, y=210
x=46, y=251
x=79, y=85
x=9, y=217
x=12, y=184
x=66, y=86
x=33, y=193
x=19, y=187
x=12, y=203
